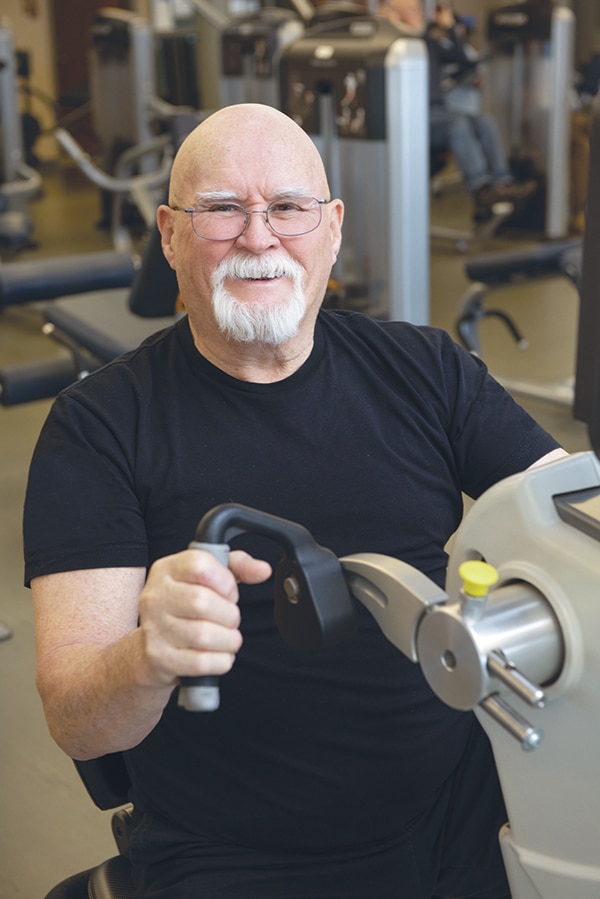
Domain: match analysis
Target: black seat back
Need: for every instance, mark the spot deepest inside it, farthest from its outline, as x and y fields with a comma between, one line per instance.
x=106, y=779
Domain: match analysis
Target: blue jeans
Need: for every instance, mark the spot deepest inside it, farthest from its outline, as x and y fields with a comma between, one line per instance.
x=477, y=148
x=475, y=144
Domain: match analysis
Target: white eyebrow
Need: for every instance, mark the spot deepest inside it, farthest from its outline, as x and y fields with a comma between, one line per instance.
x=214, y=196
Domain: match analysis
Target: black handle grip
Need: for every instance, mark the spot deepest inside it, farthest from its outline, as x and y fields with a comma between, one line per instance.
x=313, y=606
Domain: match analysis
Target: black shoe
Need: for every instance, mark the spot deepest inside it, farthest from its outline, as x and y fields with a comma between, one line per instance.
x=514, y=191
x=500, y=199
x=483, y=200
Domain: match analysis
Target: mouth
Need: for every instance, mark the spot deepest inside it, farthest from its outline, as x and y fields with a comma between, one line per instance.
x=264, y=279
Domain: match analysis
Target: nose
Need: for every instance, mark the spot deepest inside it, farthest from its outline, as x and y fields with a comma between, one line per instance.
x=257, y=236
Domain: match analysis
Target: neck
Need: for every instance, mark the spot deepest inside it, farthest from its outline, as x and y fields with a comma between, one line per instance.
x=258, y=363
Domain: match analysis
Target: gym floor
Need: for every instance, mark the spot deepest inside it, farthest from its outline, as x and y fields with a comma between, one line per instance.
x=49, y=828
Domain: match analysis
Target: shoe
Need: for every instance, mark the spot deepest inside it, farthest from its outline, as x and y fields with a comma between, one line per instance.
x=495, y=199
x=483, y=200
x=514, y=191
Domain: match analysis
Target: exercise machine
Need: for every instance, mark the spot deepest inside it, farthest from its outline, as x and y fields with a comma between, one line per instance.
x=132, y=164
x=493, y=271
x=528, y=80
x=19, y=182
x=358, y=87
x=512, y=637
x=97, y=312
x=251, y=47
x=122, y=65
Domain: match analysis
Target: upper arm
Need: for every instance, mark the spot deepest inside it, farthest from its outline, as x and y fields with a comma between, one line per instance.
x=96, y=606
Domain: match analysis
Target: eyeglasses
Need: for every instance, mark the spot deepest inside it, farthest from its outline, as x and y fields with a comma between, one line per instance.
x=286, y=217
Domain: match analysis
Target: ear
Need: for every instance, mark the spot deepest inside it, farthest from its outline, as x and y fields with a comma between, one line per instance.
x=336, y=217
x=164, y=220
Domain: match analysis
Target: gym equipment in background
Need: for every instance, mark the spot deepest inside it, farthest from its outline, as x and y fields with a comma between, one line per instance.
x=528, y=77
x=359, y=88
x=19, y=182
x=250, y=51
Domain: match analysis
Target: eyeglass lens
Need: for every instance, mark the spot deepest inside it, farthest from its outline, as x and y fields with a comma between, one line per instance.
x=287, y=217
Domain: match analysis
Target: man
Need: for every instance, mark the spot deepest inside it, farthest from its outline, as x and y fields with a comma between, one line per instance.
x=473, y=138
x=335, y=774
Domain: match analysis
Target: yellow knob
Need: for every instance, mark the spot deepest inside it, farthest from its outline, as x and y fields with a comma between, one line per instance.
x=477, y=577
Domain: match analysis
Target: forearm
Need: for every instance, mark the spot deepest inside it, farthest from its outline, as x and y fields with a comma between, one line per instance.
x=98, y=698
x=104, y=678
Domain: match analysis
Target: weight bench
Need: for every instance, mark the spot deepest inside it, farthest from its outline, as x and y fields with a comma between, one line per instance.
x=94, y=327
x=59, y=276
x=489, y=271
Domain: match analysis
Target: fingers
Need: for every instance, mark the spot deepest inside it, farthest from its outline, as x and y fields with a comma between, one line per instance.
x=189, y=613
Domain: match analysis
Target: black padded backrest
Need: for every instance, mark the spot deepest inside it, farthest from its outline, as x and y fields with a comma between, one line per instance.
x=47, y=279
x=154, y=290
x=106, y=779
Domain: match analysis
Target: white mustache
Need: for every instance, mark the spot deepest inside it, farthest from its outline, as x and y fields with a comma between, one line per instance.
x=258, y=267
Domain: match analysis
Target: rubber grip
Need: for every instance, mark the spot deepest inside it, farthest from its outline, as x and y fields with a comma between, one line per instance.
x=201, y=694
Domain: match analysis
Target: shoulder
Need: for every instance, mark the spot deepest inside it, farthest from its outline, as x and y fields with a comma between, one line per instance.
x=400, y=339
x=130, y=375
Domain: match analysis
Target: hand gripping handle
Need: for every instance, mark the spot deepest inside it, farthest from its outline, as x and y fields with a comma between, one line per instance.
x=313, y=606
x=201, y=694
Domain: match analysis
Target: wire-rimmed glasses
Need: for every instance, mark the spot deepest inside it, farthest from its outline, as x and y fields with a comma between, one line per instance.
x=286, y=217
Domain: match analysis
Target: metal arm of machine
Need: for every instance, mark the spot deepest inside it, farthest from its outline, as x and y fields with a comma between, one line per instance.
x=108, y=182
x=470, y=647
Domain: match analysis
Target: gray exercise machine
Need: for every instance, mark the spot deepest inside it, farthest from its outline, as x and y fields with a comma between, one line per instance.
x=122, y=84
x=133, y=162
x=359, y=89
x=251, y=47
x=19, y=183
x=527, y=84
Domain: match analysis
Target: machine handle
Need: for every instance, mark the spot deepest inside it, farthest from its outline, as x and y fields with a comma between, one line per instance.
x=313, y=606
x=201, y=694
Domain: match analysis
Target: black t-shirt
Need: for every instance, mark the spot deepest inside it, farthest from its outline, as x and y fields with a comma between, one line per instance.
x=369, y=445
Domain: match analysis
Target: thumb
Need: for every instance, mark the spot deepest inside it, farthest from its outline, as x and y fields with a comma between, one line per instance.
x=247, y=569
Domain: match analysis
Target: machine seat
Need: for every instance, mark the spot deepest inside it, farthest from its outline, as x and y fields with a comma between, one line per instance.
x=107, y=782
x=490, y=271
x=542, y=261
x=102, y=323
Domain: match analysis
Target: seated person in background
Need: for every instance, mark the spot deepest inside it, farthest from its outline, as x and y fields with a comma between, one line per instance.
x=332, y=774
x=472, y=137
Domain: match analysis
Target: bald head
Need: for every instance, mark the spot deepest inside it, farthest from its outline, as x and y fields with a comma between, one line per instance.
x=242, y=136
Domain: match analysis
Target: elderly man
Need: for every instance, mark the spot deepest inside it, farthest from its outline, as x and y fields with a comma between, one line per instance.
x=333, y=774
